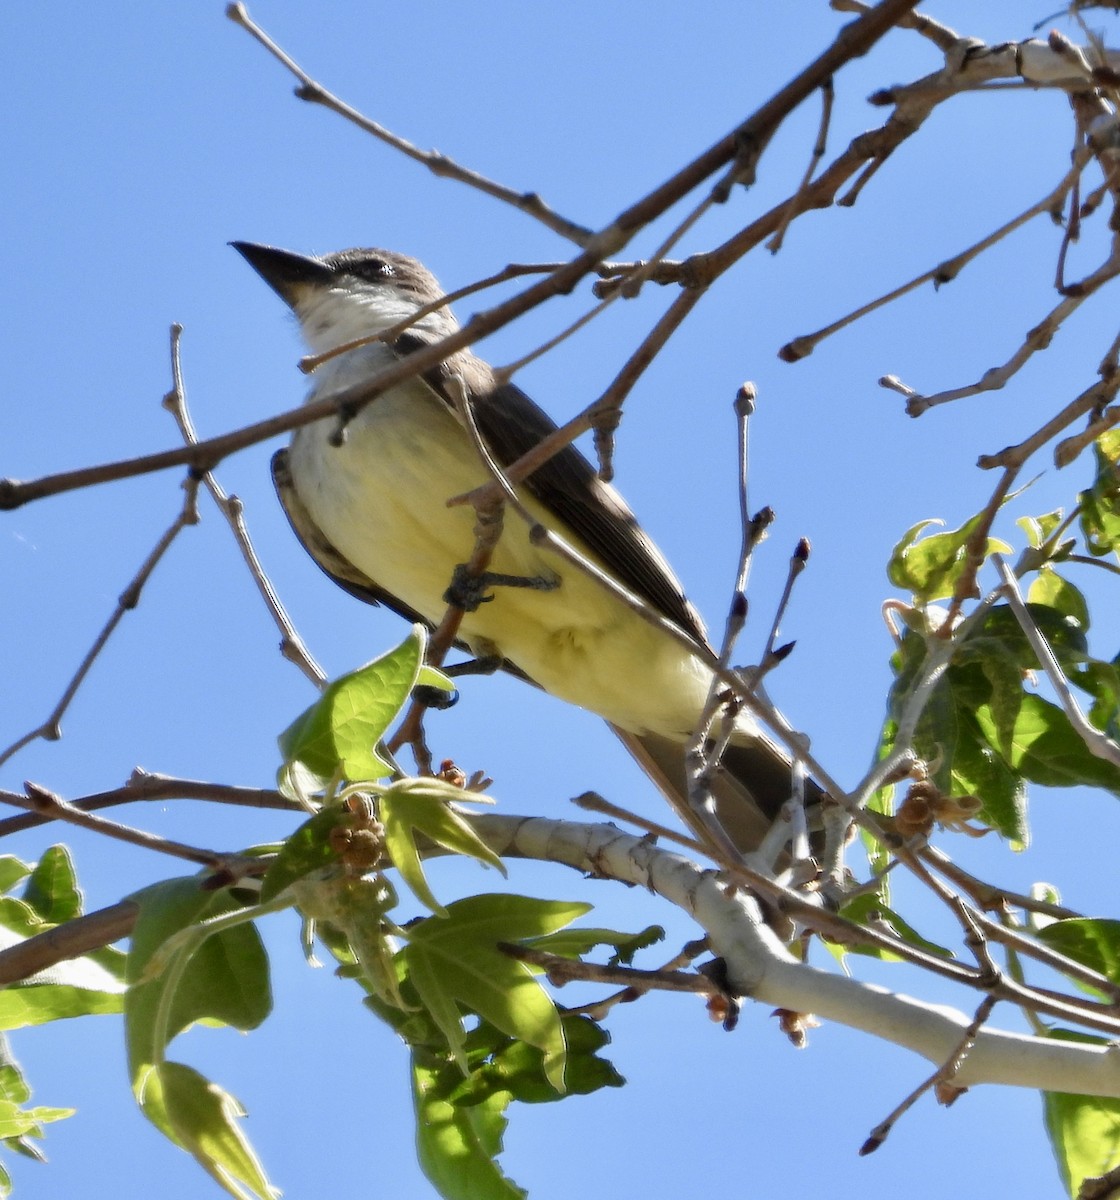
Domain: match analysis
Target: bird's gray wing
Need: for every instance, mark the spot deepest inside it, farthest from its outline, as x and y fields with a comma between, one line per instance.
x=567, y=485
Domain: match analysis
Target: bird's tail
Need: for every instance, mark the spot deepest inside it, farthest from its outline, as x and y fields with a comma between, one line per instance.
x=754, y=779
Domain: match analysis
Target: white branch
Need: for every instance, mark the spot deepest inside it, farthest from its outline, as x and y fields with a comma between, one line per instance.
x=761, y=968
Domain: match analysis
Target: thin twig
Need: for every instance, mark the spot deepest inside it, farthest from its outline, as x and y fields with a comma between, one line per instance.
x=40, y=800
x=1096, y=741
x=72, y=939
x=1049, y=957
x=51, y=729
x=989, y=896
x=144, y=785
x=828, y=96
x=565, y=970
x=854, y=40
x=943, y=1075
x=438, y=164
x=1038, y=338
x=292, y=646
x=945, y=272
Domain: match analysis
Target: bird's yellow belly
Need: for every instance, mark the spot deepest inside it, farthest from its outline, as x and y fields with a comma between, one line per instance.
x=381, y=500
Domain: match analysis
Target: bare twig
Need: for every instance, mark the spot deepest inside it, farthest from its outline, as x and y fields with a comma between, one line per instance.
x=945, y=272
x=40, y=800
x=565, y=970
x=1038, y=338
x=988, y=896
x=828, y=95
x=144, y=785
x=1098, y=743
x=291, y=644
x=438, y=164
x=943, y=1075
x=51, y=729
x=69, y=940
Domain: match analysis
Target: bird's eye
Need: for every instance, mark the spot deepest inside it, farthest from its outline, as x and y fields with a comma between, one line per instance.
x=373, y=270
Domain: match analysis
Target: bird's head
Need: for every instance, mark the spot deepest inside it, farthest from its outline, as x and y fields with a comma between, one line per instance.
x=351, y=294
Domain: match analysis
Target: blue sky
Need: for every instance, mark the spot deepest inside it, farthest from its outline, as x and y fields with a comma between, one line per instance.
x=138, y=143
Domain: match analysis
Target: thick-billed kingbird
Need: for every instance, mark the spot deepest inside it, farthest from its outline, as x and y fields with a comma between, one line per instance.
x=371, y=509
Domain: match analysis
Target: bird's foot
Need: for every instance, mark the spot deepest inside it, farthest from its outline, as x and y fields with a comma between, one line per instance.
x=467, y=591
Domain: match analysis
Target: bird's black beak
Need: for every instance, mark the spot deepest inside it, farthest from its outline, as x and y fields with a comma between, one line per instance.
x=285, y=272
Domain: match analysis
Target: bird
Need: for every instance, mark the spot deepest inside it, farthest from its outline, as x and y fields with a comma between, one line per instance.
x=370, y=507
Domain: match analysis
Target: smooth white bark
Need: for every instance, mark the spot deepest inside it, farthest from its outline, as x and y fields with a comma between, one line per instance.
x=761, y=968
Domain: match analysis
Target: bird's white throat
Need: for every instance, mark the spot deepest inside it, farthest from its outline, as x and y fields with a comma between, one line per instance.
x=330, y=317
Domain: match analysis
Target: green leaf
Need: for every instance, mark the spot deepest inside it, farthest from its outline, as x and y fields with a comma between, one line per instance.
x=17, y=1124
x=307, y=849
x=433, y=677
x=455, y=960
x=1039, y=529
x=12, y=871
x=354, y=911
x=1100, y=504
x=224, y=978
x=202, y=1118
x=37, y=1003
x=1092, y=941
x=503, y=1064
x=1046, y=749
x=1001, y=687
x=1101, y=680
x=931, y=566
x=457, y=1146
x=574, y=943
x=869, y=910
x=72, y=988
x=52, y=888
x=339, y=732
x=423, y=806
x=979, y=770
x=969, y=756
x=1064, y=633
x=1084, y=1130
x=1050, y=590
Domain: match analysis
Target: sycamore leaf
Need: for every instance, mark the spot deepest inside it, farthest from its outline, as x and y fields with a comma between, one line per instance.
x=202, y=1118
x=52, y=887
x=307, y=849
x=574, y=943
x=929, y=567
x=1092, y=941
x=12, y=871
x=455, y=960
x=503, y=1064
x=339, y=732
x=1038, y=529
x=16, y=1122
x=424, y=806
x=1100, y=504
x=72, y=988
x=1084, y=1130
x=39, y=1001
x=458, y=1146
x=1101, y=680
x=1048, y=589
x=1046, y=749
x=224, y=978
